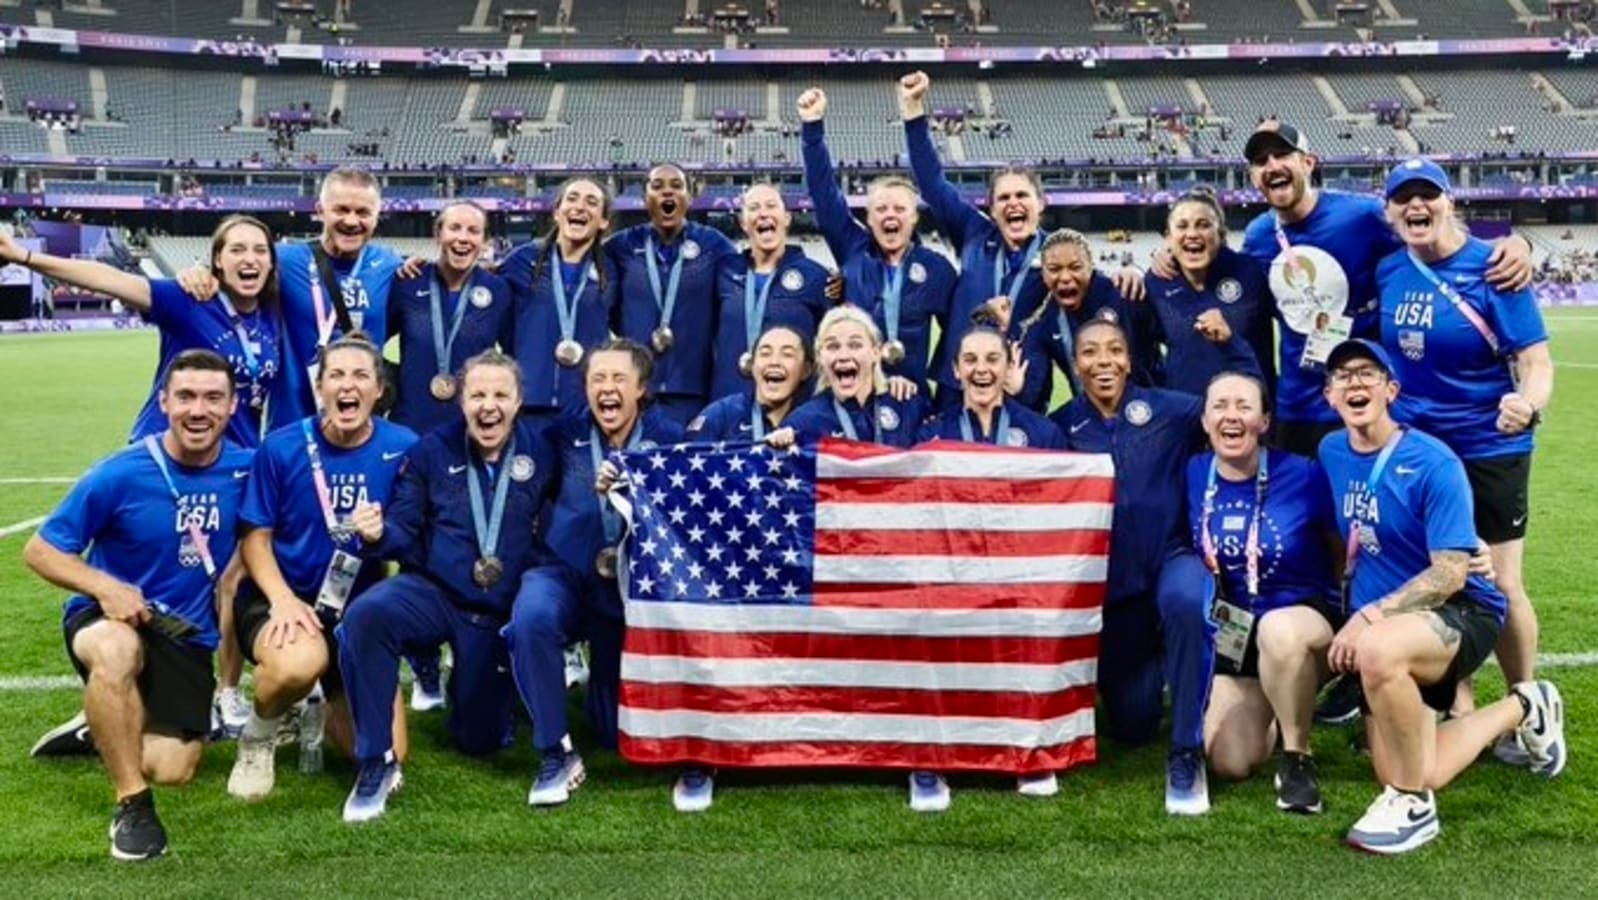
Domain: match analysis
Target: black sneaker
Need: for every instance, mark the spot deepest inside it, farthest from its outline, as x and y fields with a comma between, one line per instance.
x=1340, y=701
x=136, y=831
x=70, y=738
x=1297, y=788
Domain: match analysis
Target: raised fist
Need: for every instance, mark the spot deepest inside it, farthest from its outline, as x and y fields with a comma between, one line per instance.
x=812, y=105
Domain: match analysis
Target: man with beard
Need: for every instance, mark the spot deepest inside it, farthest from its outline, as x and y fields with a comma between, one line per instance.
x=661, y=263
x=771, y=283
x=463, y=522
x=157, y=522
x=905, y=285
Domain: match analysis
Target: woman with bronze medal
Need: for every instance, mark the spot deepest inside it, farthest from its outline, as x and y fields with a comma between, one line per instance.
x=565, y=294
x=576, y=597
x=855, y=400
x=780, y=366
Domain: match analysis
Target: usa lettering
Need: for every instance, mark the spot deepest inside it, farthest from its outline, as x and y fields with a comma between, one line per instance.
x=1415, y=311
x=1359, y=505
x=201, y=509
x=347, y=491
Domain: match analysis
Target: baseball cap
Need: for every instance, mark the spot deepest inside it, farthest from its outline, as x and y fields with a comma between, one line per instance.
x=1359, y=348
x=1274, y=136
x=1417, y=169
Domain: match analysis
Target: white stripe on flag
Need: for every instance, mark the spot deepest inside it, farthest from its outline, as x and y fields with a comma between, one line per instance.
x=822, y=727
x=788, y=672
x=981, y=466
x=998, y=517
x=975, y=570
x=732, y=618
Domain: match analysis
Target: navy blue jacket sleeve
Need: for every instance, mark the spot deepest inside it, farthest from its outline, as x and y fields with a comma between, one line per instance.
x=406, y=512
x=958, y=217
x=844, y=234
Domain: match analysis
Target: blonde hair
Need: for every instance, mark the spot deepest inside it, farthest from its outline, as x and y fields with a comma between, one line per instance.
x=836, y=316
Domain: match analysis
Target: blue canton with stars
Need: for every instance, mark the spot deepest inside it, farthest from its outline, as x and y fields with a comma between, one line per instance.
x=721, y=523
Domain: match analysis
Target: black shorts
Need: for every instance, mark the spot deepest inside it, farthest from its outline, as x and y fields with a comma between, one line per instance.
x=176, y=682
x=251, y=610
x=1302, y=438
x=1478, y=634
x=1251, y=657
x=1498, y=486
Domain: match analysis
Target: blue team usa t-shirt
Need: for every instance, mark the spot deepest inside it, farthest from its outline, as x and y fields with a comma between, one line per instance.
x=125, y=515
x=1451, y=378
x=282, y=494
x=1421, y=503
x=251, y=342
x=1295, y=561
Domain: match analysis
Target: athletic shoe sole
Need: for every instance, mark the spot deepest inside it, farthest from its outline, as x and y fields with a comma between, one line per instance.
x=130, y=857
x=1297, y=808
x=1416, y=839
x=366, y=816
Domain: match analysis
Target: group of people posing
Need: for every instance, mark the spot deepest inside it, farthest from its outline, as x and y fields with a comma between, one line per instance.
x=1342, y=492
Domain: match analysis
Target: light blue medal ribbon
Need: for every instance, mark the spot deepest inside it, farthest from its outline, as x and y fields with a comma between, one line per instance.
x=755, y=307
x=1068, y=345
x=847, y=423
x=252, y=363
x=892, y=297
x=202, y=546
x=666, y=302
x=443, y=346
x=486, y=527
x=757, y=420
x=567, y=310
x=1001, y=263
x=608, y=517
x=1375, y=479
x=968, y=434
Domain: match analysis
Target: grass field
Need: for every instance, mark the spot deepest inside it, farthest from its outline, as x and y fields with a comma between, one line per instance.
x=462, y=828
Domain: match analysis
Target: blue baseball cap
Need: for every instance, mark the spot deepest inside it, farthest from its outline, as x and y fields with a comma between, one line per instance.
x=1417, y=169
x=1359, y=348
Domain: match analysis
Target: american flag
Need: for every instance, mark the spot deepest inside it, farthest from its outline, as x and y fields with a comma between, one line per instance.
x=855, y=605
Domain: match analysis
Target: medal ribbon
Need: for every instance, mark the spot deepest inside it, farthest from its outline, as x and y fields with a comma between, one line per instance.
x=1068, y=345
x=757, y=420
x=567, y=310
x=1353, y=526
x=443, y=346
x=1251, y=550
x=1001, y=264
x=967, y=434
x=847, y=423
x=755, y=307
x=335, y=529
x=202, y=545
x=892, y=296
x=666, y=302
x=608, y=516
x=486, y=528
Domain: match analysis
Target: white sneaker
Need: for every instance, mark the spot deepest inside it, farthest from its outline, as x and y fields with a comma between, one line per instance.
x=559, y=774
x=694, y=791
x=1511, y=752
x=254, y=770
x=929, y=792
x=1397, y=822
x=1042, y=785
x=576, y=666
x=368, y=799
x=235, y=710
x=1187, y=784
x=1542, y=731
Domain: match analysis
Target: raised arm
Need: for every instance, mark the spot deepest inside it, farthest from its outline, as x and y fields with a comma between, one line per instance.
x=134, y=290
x=958, y=217
x=838, y=225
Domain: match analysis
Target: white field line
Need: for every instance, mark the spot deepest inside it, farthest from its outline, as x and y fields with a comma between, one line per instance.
x=41, y=479
x=24, y=525
x=1561, y=364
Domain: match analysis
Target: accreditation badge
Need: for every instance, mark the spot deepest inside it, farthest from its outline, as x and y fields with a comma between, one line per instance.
x=1233, y=624
x=1328, y=333
x=338, y=583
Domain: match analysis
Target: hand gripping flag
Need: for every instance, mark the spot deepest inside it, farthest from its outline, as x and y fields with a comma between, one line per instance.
x=854, y=605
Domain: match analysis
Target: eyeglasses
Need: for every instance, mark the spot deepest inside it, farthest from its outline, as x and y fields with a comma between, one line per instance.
x=1364, y=376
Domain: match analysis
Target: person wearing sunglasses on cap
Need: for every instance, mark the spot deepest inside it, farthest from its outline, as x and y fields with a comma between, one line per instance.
x=1477, y=374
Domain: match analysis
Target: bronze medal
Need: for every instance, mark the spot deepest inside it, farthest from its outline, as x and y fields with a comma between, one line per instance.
x=893, y=352
x=662, y=339
x=443, y=387
x=746, y=364
x=605, y=563
x=568, y=353
x=486, y=572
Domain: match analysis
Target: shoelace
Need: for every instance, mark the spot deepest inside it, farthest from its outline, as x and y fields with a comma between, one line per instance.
x=551, y=766
x=1184, y=769
x=370, y=779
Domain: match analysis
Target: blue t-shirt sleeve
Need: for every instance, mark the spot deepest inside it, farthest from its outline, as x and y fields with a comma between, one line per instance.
x=1450, y=516
x=169, y=304
x=261, y=494
x=83, y=512
x=1516, y=319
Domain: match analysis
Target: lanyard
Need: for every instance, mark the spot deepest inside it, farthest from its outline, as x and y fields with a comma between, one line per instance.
x=565, y=309
x=443, y=346
x=1460, y=306
x=1370, y=486
x=1293, y=264
x=191, y=523
x=892, y=296
x=968, y=435
x=607, y=516
x=757, y=420
x=1068, y=345
x=1001, y=264
x=252, y=364
x=1251, y=548
x=324, y=320
x=666, y=302
x=847, y=423
x=486, y=528
x=336, y=529
x=755, y=306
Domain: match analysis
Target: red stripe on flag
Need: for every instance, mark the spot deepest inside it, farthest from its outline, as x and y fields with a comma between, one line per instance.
x=961, y=596
x=711, y=645
x=857, y=700
x=994, y=489
x=1081, y=542
x=847, y=449
x=937, y=758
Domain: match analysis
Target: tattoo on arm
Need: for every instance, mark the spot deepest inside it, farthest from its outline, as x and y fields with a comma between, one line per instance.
x=1432, y=587
x=1446, y=633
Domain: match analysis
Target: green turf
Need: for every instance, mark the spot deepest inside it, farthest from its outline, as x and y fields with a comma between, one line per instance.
x=462, y=828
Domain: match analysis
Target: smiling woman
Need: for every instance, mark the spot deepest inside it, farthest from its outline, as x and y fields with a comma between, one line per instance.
x=243, y=326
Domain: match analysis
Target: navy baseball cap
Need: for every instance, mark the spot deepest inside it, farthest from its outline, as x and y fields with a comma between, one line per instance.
x=1274, y=137
x=1359, y=348
x=1417, y=169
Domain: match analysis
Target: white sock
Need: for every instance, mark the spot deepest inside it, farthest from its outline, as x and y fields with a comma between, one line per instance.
x=260, y=729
